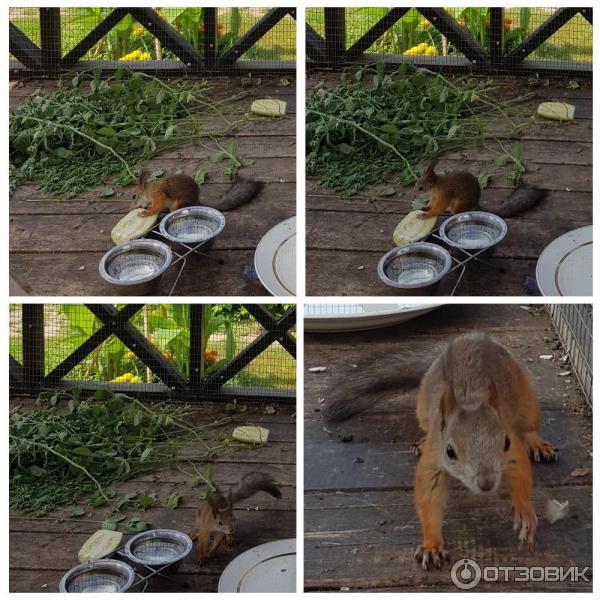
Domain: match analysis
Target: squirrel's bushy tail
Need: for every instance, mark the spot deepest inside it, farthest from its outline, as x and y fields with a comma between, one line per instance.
x=366, y=385
x=240, y=193
x=521, y=200
x=251, y=483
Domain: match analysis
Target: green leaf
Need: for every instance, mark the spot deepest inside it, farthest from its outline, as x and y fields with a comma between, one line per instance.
x=217, y=157
x=389, y=191
x=77, y=512
x=173, y=500
x=200, y=176
x=136, y=524
x=484, y=178
x=345, y=149
x=146, y=453
x=146, y=500
x=107, y=192
x=37, y=472
x=156, y=174
x=169, y=131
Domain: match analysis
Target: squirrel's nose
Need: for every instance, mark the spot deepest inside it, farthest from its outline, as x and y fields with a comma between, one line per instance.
x=485, y=482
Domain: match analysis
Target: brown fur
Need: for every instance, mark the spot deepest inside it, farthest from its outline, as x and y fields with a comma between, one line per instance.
x=478, y=399
x=215, y=520
x=460, y=192
x=180, y=191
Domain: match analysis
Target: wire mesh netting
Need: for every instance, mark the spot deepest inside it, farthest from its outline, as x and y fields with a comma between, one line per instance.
x=468, y=35
x=156, y=345
x=131, y=41
x=573, y=323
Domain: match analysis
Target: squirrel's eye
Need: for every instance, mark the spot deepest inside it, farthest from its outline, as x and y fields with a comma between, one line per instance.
x=506, y=444
x=421, y=188
x=220, y=522
x=450, y=452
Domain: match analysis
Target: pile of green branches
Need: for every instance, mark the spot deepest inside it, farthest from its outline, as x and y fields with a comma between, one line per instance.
x=69, y=448
x=91, y=128
x=374, y=125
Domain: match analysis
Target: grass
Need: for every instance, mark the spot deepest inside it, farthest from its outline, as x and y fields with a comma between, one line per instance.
x=279, y=44
x=573, y=42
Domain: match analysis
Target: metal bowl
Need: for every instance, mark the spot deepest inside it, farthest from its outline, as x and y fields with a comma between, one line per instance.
x=158, y=549
x=105, y=575
x=135, y=268
x=193, y=225
x=473, y=231
x=414, y=269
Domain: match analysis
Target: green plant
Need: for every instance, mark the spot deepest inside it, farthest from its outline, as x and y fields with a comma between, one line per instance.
x=68, y=448
x=73, y=139
x=394, y=123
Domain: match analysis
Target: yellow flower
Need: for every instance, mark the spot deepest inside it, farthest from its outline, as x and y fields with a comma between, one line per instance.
x=135, y=379
x=167, y=355
x=424, y=23
x=144, y=56
x=138, y=31
x=130, y=355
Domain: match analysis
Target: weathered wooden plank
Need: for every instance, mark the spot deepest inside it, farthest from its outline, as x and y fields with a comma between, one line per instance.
x=352, y=232
x=27, y=200
x=56, y=274
x=360, y=523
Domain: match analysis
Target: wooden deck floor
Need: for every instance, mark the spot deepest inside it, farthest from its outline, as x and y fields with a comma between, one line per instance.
x=41, y=551
x=361, y=528
x=55, y=246
x=345, y=238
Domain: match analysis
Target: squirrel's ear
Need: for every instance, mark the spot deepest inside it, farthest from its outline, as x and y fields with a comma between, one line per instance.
x=213, y=502
x=448, y=404
x=143, y=176
x=431, y=166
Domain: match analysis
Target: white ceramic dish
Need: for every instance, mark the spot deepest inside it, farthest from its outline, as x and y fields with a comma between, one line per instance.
x=358, y=317
x=267, y=568
x=275, y=259
x=565, y=267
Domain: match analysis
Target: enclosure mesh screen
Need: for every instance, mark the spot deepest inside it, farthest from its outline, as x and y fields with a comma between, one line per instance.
x=573, y=324
x=129, y=43
x=168, y=332
x=415, y=38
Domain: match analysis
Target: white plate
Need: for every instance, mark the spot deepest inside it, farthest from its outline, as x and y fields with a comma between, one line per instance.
x=358, y=317
x=275, y=259
x=565, y=266
x=267, y=568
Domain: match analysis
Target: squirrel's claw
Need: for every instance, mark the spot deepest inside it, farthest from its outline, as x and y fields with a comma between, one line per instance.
x=525, y=522
x=230, y=540
x=539, y=449
x=417, y=447
x=431, y=556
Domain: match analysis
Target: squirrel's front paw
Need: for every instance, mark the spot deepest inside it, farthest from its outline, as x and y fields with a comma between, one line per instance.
x=539, y=449
x=428, y=556
x=230, y=540
x=525, y=522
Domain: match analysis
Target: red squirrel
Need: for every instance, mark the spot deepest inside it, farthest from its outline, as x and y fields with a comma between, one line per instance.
x=180, y=191
x=481, y=420
x=215, y=519
x=460, y=191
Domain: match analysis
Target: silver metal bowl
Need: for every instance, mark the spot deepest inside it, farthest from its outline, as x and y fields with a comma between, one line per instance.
x=414, y=269
x=158, y=549
x=193, y=225
x=473, y=231
x=105, y=575
x=135, y=267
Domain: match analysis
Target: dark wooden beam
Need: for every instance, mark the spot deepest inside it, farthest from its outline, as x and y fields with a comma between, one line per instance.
x=34, y=363
x=97, y=338
x=142, y=347
x=373, y=34
x=278, y=328
x=496, y=35
x=587, y=14
x=94, y=36
x=315, y=44
x=335, y=35
x=210, y=44
x=196, y=348
x=23, y=49
x=455, y=34
x=539, y=35
x=50, y=35
x=167, y=35
x=246, y=41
